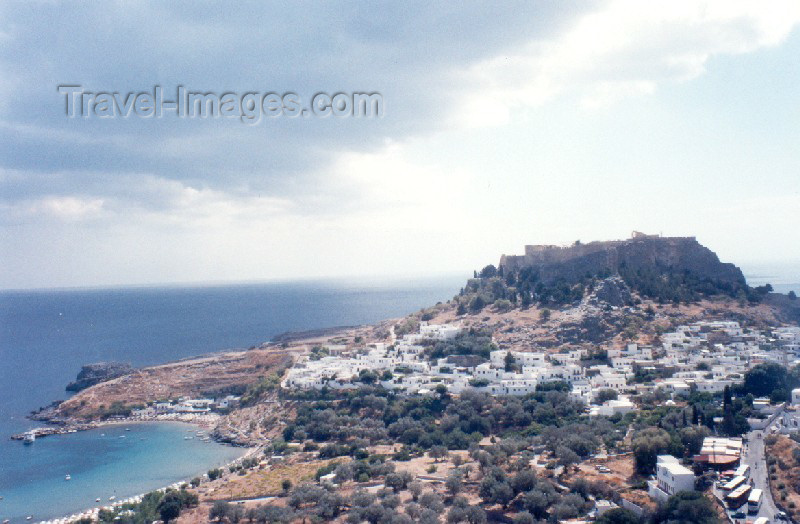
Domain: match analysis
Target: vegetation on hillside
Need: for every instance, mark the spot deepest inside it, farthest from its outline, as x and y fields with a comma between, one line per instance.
x=157, y=505
x=505, y=289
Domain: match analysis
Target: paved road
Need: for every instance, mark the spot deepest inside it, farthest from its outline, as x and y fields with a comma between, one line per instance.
x=754, y=457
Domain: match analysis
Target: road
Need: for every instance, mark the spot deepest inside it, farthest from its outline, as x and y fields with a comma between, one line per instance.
x=753, y=456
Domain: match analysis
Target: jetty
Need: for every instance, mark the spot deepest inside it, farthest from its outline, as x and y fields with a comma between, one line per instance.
x=54, y=430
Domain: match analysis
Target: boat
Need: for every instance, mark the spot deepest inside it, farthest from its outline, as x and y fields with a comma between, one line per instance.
x=111, y=498
x=67, y=477
x=30, y=438
x=97, y=499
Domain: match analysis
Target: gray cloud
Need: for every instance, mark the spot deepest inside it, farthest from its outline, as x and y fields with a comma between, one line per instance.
x=412, y=53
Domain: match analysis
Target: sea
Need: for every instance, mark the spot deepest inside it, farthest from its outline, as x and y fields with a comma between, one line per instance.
x=47, y=335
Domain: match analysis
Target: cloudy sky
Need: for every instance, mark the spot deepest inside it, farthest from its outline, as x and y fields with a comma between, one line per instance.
x=504, y=124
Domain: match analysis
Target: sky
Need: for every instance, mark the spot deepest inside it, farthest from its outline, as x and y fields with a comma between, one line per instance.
x=503, y=124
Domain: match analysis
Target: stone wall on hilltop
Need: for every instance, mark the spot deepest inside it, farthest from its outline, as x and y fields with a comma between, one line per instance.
x=643, y=252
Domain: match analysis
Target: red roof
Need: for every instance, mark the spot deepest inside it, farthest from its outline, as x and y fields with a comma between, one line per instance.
x=716, y=459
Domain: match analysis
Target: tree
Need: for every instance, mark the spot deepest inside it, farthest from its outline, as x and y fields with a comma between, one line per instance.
x=525, y=480
x=219, y=510
x=475, y=515
x=690, y=507
x=692, y=438
x=476, y=304
x=488, y=272
x=647, y=445
x=169, y=509
x=456, y=514
x=214, y=474
x=395, y=481
x=171, y=504
x=523, y=517
x=792, y=295
x=494, y=488
x=431, y=501
x=566, y=457
x=544, y=316
x=502, y=305
x=536, y=502
x=618, y=516
x=604, y=395
x=454, y=482
x=367, y=376
x=416, y=490
x=286, y=484
x=509, y=361
x=728, y=424
x=762, y=379
x=438, y=452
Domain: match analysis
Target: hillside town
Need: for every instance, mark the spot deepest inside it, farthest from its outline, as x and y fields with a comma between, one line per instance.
x=610, y=398
x=705, y=356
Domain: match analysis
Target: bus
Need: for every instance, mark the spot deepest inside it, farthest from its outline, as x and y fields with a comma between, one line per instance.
x=754, y=501
x=743, y=471
x=738, y=497
x=727, y=475
x=734, y=483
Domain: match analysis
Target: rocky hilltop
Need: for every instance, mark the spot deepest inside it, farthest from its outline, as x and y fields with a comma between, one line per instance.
x=639, y=253
x=92, y=374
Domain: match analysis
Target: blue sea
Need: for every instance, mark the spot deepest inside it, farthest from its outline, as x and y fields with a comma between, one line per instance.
x=46, y=335
x=783, y=277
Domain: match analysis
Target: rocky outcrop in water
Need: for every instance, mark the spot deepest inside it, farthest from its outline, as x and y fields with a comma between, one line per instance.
x=92, y=374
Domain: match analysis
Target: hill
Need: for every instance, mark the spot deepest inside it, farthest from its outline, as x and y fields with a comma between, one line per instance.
x=664, y=269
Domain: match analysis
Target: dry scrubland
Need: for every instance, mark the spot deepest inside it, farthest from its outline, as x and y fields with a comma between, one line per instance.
x=783, y=459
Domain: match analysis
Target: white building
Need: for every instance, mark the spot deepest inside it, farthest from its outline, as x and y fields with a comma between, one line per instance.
x=671, y=477
x=796, y=396
x=610, y=408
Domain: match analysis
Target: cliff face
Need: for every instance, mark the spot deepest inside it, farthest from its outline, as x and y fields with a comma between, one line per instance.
x=644, y=253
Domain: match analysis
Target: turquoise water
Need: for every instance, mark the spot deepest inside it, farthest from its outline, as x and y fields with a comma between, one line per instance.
x=45, y=337
x=120, y=461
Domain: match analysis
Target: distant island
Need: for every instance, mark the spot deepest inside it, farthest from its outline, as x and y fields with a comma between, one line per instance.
x=620, y=381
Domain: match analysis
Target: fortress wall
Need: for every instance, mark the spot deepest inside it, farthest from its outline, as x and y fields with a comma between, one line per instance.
x=645, y=251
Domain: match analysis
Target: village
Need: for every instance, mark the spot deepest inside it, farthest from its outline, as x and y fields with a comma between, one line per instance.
x=706, y=356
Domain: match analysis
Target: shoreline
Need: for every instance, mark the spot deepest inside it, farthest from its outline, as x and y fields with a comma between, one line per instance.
x=68, y=427
x=206, y=422
x=93, y=512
